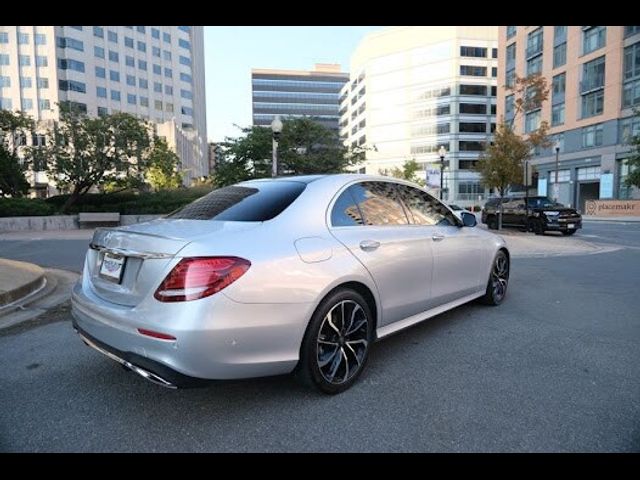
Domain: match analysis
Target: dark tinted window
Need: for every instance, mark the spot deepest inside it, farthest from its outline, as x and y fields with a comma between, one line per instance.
x=345, y=211
x=379, y=204
x=251, y=202
x=424, y=209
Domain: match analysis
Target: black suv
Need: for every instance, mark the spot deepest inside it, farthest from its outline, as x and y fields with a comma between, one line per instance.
x=543, y=214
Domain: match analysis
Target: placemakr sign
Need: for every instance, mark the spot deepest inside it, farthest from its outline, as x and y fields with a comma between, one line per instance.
x=613, y=208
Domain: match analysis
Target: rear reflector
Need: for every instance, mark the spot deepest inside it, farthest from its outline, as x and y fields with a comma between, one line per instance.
x=151, y=333
x=199, y=277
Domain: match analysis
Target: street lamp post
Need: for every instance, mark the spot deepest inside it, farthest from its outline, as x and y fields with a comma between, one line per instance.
x=276, y=128
x=442, y=152
x=556, y=186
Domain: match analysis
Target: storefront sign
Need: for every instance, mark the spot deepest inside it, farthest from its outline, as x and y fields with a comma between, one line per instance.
x=613, y=208
x=606, y=185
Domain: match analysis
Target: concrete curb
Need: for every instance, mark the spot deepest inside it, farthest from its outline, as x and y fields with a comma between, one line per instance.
x=59, y=222
x=18, y=280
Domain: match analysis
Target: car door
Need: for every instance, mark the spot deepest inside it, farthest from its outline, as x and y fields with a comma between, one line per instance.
x=458, y=256
x=370, y=220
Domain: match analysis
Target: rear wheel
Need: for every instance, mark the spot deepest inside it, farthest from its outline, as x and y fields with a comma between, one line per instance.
x=492, y=222
x=498, y=280
x=336, y=345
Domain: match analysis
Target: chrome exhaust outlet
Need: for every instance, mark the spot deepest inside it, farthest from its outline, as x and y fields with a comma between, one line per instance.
x=152, y=377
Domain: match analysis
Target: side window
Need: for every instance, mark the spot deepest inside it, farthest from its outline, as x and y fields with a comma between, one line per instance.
x=345, y=211
x=379, y=204
x=425, y=209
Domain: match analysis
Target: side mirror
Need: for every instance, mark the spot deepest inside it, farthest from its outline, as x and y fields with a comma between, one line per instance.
x=468, y=219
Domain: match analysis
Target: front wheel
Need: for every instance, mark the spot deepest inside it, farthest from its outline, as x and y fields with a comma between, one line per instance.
x=336, y=344
x=498, y=280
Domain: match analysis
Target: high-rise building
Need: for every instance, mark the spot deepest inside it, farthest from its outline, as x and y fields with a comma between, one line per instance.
x=594, y=77
x=298, y=93
x=153, y=72
x=416, y=89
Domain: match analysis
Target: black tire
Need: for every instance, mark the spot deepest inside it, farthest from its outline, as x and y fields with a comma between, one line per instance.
x=538, y=227
x=352, y=339
x=498, y=280
x=567, y=233
x=492, y=222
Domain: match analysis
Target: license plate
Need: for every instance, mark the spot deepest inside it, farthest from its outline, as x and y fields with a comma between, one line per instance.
x=571, y=225
x=112, y=267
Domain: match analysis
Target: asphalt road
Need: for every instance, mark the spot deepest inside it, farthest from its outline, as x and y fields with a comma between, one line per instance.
x=555, y=368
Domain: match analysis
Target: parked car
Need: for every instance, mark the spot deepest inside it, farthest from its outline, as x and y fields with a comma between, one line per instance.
x=266, y=277
x=457, y=210
x=542, y=215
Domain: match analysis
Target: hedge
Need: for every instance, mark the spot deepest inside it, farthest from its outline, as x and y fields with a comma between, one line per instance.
x=126, y=203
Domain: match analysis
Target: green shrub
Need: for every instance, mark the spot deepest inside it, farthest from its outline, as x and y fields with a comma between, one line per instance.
x=24, y=207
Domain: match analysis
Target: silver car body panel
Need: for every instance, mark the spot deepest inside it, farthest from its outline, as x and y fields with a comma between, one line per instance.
x=255, y=326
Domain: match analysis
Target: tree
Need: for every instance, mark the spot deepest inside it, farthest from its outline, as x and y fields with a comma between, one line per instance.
x=633, y=178
x=502, y=161
x=14, y=128
x=162, y=166
x=84, y=152
x=305, y=147
x=407, y=172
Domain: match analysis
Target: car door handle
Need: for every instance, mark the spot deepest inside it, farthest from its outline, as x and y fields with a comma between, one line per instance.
x=437, y=237
x=369, y=245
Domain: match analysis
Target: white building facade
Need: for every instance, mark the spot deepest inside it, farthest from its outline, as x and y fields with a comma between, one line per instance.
x=153, y=72
x=415, y=89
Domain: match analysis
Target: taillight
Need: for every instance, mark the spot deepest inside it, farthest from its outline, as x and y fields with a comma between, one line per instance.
x=199, y=277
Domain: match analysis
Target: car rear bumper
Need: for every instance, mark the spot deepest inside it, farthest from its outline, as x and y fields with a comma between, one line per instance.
x=215, y=338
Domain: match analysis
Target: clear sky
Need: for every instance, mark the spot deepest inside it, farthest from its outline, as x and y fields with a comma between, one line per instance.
x=231, y=52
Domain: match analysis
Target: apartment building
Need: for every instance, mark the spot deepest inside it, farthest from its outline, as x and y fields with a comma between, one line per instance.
x=594, y=76
x=153, y=72
x=413, y=90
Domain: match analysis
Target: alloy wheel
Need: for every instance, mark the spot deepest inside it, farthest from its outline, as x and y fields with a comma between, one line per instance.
x=342, y=342
x=500, y=277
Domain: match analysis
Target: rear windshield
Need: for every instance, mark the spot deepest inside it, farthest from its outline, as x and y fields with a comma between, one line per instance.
x=251, y=202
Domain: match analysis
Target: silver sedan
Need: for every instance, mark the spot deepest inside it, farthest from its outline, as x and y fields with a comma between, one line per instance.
x=294, y=274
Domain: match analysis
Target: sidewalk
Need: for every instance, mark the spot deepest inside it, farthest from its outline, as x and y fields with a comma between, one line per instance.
x=592, y=218
x=18, y=280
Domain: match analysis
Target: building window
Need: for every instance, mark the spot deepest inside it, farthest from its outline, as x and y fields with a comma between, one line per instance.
x=5, y=81
x=564, y=176
x=4, y=59
x=25, y=82
x=532, y=121
x=592, y=104
x=142, y=64
x=511, y=31
x=166, y=37
x=168, y=90
x=142, y=46
x=559, y=35
x=185, y=28
x=4, y=37
x=101, y=72
x=168, y=72
x=157, y=69
x=23, y=38
x=511, y=55
x=103, y=111
x=169, y=107
x=185, y=44
x=467, y=127
x=186, y=94
x=593, y=38
x=473, y=90
x=131, y=99
x=494, y=53
x=628, y=31
x=101, y=92
x=72, y=86
x=42, y=61
x=494, y=72
x=534, y=43
x=113, y=56
x=558, y=87
x=112, y=36
x=69, y=64
x=588, y=173
x=98, y=32
x=26, y=104
x=592, y=136
x=5, y=103
x=185, y=77
x=114, y=76
x=144, y=101
x=158, y=104
x=185, y=60
x=157, y=87
x=131, y=80
x=592, y=87
x=155, y=51
x=141, y=29
x=473, y=71
x=41, y=39
x=187, y=111
x=559, y=55
x=143, y=83
x=473, y=108
x=155, y=33
x=24, y=60
x=629, y=128
x=557, y=114
x=98, y=52
x=494, y=91
x=128, y=42
x=470, y=52
x=115, y=95
x=42, y=82
x=166, y=55
x=534, y=65
x=631, y=76
x=469, y=146
x=65, y=42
